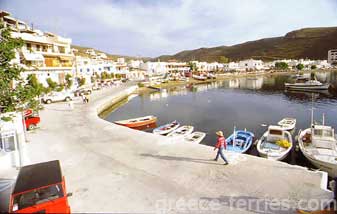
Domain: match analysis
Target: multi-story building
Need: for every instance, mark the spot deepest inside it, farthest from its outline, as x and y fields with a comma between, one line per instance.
x=208, y=67
x=44, y=54
x=332, y=56
x=251, y=64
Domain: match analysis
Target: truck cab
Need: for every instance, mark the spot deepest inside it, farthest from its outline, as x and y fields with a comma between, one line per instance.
x=39, y=188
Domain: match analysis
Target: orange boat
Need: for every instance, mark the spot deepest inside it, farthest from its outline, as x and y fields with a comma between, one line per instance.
x=138, y=122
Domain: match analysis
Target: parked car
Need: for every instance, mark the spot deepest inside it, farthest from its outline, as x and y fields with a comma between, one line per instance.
x=82, y=91
x=31, y=119
x=57, y=97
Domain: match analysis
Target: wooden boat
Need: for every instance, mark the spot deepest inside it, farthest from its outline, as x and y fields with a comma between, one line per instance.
x=167, y=128
x=240, y=141
x=137, y=122
x=199, y=77
x=319, y=145
x=181, y=131
x=275, y=144
x=287, y=123
x=195, y=137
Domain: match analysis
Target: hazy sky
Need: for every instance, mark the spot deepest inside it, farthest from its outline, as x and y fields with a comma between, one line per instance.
x=156, y=27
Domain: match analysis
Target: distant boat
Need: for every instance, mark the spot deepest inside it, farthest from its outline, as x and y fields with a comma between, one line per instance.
x=306, y=84
x=211, y=76
x=287, y=123
x=137, y=122
x=167, y=128
x=199, y=77
x=195, y=137
x=275, y=144
x=182, y=131
x=240, y=141
x=319, y=145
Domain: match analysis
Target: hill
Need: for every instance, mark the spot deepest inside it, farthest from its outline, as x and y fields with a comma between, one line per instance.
x=312, y=43
x=81, y=52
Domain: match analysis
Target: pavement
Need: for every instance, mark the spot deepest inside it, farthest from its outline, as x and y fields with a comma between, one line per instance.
x=114, y=169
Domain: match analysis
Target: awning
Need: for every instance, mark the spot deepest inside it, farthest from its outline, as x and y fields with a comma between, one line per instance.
x=65, y=58
x=33, y=56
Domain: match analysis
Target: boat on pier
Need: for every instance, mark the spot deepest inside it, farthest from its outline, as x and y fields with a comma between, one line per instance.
x=138, y=122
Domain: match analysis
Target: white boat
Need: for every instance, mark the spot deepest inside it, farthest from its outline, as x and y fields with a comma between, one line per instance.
x=199, y=77
x=306, y=84
x=167, y=128
x=195, y=137
x=319, y=145
x=181, y=131
x=275, y=144
x=287, y=123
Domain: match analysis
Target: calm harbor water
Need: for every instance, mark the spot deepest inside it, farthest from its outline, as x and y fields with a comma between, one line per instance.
x=243, y=102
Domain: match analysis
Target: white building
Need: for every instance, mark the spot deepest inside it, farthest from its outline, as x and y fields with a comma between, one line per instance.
x=251, y=64
x=135, y=63
x=231, y=66
x=208, y=67
x=44, y=54
x=332, y=56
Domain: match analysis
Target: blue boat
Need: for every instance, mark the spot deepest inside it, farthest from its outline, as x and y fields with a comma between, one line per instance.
x=243, y=140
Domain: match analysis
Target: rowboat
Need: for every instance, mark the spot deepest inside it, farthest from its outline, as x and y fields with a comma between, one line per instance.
x=240, y=141
x=199, y=77
x=137, y=122
x=319, y=145
x=287, y=123
x=275, y=144
x=167, y=128
x=195, y=137
x=181, y=131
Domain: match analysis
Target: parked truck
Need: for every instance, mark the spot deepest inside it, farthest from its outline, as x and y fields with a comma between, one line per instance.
x=39, y=188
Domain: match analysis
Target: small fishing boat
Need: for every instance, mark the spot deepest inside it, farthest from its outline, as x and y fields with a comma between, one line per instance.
x=195, y=137
x=181, y=131
x=137, y=122
x=199, y=77
x=307, y=84
x=287, y=123
x=167, y=128
x=275, y=144
x=319, y=145
x=240, y=141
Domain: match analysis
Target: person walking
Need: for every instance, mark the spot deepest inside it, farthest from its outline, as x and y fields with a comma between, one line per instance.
x=84, y=98
x=87, y=97
x=221, y=145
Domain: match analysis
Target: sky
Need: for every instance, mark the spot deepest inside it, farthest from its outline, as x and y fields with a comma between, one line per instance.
x=156, y=27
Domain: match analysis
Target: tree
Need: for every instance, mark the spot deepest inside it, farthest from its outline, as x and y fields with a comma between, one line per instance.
x=51, y=84
x=223, y=59
x=14, y=94
x=81, y=81
x=300, y=66
x=313, y=67
x=281, y=65
x=193, y=66
x=69, y=81
x=33, y=82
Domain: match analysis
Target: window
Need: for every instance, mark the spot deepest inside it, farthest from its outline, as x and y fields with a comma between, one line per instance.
x=81, y=70
x=88, y=70
x=7, y=142
x=38, y=196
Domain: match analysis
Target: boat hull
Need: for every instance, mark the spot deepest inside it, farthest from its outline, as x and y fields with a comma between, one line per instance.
x=307, y=87
x=183, y=131
x=330, y=168
x=166, y=129
x=191, y=137
x=248, y=138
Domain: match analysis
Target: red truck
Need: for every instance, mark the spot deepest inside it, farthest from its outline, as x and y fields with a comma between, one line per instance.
x=31, y=119
x=39, y=188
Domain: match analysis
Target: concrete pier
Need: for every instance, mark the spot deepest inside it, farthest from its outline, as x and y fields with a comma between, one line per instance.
x=114, y=169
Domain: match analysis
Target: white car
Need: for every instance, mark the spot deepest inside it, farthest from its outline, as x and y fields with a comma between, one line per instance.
x=57, y=97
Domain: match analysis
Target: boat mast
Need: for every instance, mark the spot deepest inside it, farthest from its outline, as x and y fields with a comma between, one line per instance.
x=323, y=121
x=234, y=136
x=312, y=110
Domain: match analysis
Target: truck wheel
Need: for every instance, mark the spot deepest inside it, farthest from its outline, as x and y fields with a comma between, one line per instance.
x=31, y=127
x=67, y=99
x=48, y=101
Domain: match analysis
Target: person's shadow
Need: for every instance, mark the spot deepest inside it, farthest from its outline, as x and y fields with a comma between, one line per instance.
x=183, y=159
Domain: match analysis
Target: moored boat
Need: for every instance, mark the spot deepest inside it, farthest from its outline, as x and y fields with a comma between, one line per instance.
x=181, y=131
x=287, y=123
x=240, y=141
x=199, y=77
x=275, y=144
x=137, y=122
x=319, y=145
x=307, y=84
x=195, y=137
x=167, y=128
